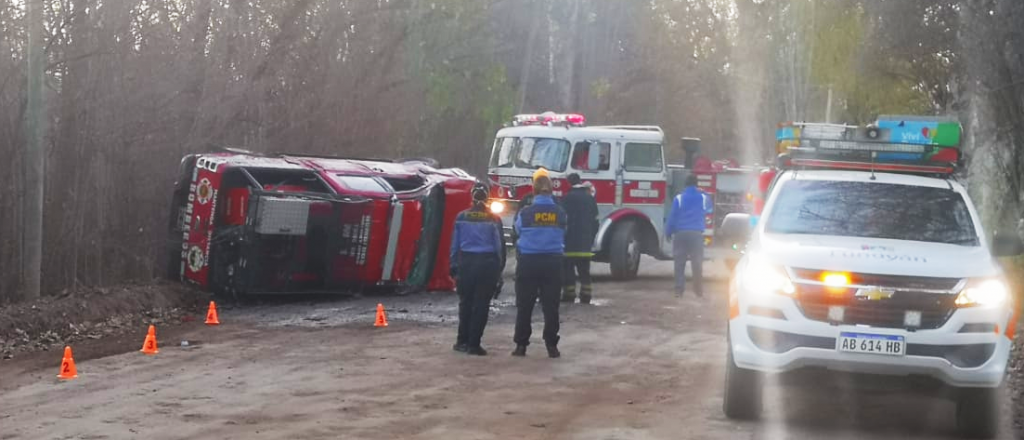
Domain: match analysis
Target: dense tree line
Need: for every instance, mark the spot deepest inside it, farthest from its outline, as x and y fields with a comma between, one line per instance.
x=132, y=85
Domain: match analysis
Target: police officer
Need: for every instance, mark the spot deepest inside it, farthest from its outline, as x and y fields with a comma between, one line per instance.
x=477, y=260
x=541, y=231
x=581, y=208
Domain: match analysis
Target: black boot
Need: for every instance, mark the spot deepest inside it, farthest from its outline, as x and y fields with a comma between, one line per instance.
x=460, y=347
x=585, y=290
x=553, y=351
x=569, y=294
x=477, y=351
x=520, y=351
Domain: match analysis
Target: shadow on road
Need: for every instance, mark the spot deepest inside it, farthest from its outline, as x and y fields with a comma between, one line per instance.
x=818, y=405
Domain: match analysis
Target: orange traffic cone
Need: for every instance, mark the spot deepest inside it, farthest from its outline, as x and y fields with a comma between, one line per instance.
x=67, y=366
x=211, y=315
x=149, y=346
x=382, y=319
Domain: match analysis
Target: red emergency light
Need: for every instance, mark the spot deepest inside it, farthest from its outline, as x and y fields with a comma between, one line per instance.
x=575, y=119
x=550, y=118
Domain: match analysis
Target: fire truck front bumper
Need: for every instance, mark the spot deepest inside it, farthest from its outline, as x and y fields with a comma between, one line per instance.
x=506, y=209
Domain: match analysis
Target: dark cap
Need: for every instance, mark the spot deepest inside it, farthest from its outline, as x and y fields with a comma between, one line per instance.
x=479, y=193
x=691, y=180
x=542, y=185
x=573, y=178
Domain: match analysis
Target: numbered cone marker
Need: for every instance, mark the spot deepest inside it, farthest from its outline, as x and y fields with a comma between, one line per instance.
x=67, y=366
x=149, y=346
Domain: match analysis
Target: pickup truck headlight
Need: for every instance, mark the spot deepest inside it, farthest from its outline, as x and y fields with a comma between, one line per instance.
x=984, y=293
x=761, y=276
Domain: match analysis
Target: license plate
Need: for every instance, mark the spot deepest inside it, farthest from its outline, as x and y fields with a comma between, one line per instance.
x=872, y=344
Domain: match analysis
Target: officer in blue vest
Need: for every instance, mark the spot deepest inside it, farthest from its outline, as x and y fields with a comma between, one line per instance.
x=541, y=246
x=477, y=260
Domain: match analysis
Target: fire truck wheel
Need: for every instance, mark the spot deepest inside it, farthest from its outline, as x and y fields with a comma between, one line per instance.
x=430, y=162
x=625, y=252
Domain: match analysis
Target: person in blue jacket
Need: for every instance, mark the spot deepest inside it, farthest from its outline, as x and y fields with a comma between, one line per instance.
x=541, y=246
x=477, y=260
x=685, y=227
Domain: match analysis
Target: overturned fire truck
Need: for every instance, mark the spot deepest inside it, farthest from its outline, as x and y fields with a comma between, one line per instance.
x=243, y=223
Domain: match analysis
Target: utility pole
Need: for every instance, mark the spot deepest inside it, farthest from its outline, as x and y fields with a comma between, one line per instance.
x=828, y=106
x=35, y=127
x=524, y=75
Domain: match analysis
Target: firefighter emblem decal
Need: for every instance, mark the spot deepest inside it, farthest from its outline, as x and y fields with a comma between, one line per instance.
x=195, y=259
x=204, y=191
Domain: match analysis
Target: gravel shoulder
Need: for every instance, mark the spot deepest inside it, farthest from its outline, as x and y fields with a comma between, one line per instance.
x=639, y=364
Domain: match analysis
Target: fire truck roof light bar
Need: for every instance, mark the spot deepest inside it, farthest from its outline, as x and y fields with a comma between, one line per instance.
x=550, y=119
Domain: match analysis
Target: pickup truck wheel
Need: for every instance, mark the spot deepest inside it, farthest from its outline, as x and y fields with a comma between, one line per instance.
x=743, y=399
x=624, y=252
x=977, y=413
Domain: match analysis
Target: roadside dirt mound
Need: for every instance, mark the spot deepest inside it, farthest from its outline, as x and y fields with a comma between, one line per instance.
x=94, y=313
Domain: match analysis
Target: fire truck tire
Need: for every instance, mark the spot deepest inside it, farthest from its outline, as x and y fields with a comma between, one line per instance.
x=624, y=252
x=430, y=162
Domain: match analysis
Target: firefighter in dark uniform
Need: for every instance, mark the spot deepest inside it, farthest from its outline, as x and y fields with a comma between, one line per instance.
x=581, y=208
x=477, y=260
x=541, y=244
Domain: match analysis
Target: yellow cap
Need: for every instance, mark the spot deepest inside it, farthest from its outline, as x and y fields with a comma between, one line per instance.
x=541, y=172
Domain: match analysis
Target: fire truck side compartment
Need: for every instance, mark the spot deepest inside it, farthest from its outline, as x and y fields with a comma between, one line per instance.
x=282, y=216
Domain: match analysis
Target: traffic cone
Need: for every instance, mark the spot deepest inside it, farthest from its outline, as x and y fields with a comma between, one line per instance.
x=67, y=366
x=149, y=346
x=382, y=319
x=211, y=315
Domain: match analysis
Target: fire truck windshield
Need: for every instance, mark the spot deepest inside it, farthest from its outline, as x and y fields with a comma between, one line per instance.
x=531, y=153
x=872, y=210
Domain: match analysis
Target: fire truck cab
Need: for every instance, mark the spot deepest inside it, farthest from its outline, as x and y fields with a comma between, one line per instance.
x=624, y=164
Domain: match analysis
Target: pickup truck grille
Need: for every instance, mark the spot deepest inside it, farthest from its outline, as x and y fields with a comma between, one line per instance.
x=936, y=308
x=888, y=281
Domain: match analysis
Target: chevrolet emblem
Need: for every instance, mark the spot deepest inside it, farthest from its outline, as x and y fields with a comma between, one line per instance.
x=875, y=293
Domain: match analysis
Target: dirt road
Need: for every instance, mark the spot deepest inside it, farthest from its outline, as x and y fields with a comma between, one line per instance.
x=639, y=364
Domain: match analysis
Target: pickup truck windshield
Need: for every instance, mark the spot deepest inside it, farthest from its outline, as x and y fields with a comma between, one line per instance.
x=874, y=210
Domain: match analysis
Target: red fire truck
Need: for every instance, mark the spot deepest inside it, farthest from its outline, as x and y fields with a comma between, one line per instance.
x=625, y=165
x=247, y=223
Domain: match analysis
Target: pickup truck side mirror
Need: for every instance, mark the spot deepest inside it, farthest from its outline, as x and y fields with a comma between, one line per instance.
x=1006, y=244
x=735, y=229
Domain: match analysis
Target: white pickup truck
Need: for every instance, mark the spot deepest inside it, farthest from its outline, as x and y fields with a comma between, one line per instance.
x=872, y=273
